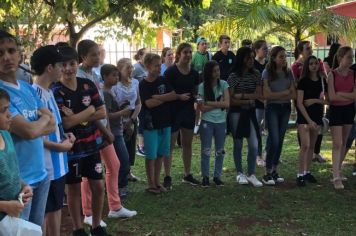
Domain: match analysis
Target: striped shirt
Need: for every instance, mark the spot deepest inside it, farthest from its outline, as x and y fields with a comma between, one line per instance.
x=246, y=83
x=56, y=162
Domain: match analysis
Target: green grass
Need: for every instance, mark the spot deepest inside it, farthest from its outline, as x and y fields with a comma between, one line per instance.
x=243, y=210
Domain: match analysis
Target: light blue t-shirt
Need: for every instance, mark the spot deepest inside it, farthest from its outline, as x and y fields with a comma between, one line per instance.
x=216, y=115
x=56, y=162
x=30, y=153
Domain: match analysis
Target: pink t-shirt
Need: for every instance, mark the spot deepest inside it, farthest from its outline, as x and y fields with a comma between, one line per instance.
x=297, y=68
x=343, y=84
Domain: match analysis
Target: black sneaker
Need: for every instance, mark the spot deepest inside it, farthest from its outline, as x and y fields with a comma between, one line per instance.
x=167, y=182
x=205, y=183
x=99, y=231
x=190, y=180
x=300, y=181
x=310, y=178
x=267, y=179
x=277, y=178
x=79, y=232
x=218, y=181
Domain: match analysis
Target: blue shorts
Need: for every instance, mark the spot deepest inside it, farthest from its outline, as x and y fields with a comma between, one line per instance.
x=157, y=143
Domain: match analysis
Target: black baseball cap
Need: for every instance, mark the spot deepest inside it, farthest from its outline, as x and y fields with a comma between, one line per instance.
x=44, y=56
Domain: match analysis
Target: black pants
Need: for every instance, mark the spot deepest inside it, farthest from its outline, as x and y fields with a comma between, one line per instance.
x=131, y=145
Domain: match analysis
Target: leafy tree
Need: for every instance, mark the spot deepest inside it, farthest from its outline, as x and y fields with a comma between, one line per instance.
x=80, y=15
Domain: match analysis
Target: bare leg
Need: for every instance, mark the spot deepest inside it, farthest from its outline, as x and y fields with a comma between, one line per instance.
x=53, y=223
x=150, y=165
x=313, y=134
x=74, y=205
x=336, y=134
x=187, y=139
x=97, y=189
x=303, y=132
x=157, y=171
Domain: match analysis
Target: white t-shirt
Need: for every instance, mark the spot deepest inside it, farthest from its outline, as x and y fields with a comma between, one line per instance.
x=123, y=93
x=56, y=162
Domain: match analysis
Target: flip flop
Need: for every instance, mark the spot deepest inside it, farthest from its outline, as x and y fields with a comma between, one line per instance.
x=153, y=190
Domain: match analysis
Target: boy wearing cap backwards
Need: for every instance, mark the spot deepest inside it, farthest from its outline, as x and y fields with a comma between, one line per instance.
x=201, y=56
x=80, y=104
x=46, y=62
x=30, y=121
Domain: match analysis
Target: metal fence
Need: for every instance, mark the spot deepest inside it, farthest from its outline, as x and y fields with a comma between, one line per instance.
x=115, y=52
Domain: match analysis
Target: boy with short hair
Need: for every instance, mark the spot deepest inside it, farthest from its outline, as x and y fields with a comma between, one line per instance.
x=30, y=121
x=80, y=104
x=10, y=183
x=46, y=62
x=224, y=57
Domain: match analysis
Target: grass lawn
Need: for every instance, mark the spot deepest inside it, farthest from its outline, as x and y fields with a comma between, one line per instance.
x=243, y=210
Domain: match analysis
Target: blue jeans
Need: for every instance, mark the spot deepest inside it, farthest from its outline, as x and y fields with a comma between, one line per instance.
x=208, y=130
x=277, y=117
x=123, y=155
x=34, y=211
x=238, y=143
x=260, y=114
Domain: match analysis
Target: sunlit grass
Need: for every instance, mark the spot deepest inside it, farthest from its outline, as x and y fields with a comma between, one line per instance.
x=243, y=210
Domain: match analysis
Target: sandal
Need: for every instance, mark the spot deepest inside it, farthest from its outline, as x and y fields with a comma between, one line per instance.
x=153, y=190
x=338, y=183
x=161, y=189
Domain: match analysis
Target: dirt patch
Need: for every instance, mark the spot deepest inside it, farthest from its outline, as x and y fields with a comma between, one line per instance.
x=245, y=223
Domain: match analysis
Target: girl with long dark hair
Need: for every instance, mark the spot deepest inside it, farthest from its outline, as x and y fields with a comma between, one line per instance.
x=312, y=88
x=214, y=94
x=245, y=88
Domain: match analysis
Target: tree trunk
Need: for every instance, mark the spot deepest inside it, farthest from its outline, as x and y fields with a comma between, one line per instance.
x=297, y=37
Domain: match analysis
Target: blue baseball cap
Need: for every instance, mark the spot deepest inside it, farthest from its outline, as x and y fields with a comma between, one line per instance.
x=201, y=40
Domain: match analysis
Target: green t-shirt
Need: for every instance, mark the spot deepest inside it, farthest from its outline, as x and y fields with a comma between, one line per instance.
x=10, y=183
x=199, y=60
x=217, y=115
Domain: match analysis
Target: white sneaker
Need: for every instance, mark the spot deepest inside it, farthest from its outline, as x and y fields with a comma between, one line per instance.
x=89, y=221
x=241, y=179
x=254, y=181
x=122, y=213
x=196, y=129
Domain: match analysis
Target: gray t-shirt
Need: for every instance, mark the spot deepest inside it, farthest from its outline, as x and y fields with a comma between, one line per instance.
x=282, y=82
x=139, y=72
x=111, y=107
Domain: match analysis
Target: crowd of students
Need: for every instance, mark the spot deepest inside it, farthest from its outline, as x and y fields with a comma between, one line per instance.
x=80, y=113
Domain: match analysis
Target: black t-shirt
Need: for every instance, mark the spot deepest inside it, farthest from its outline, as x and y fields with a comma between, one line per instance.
x=182, y=84
x=258, y=66
x=161, y=117
x=226, y=62
x=353, y=67
x=88, y=137
x=312, y=90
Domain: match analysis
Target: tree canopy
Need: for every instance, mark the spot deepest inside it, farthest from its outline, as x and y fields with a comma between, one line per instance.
x=78, y=16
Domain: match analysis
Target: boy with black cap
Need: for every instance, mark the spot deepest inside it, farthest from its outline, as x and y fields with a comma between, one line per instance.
x=30, y=121
x=80, y=106
x=47, y=64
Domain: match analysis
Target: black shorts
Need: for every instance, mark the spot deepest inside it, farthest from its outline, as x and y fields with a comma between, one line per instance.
x=342, y=115
x=315, y=113
x=89, y=167
x=55, y=195
x=183, y=119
